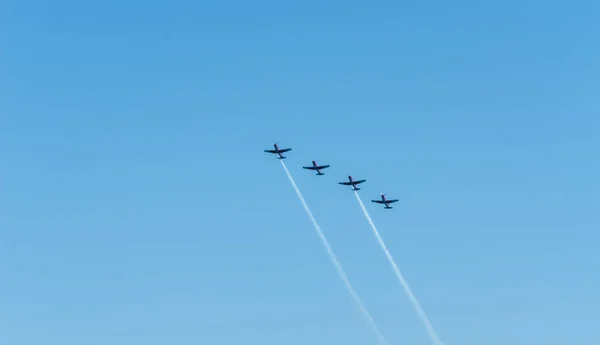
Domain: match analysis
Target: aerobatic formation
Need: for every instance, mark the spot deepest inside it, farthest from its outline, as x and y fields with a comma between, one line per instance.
x=351, y=182
x=381, y=201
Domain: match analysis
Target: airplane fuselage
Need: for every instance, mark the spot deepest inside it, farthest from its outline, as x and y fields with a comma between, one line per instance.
x=317, y=168
x=278, y=151
x=385, y=202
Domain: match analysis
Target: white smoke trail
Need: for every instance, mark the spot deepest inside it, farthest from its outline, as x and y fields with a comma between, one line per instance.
x=432, y=334
x=335, y=260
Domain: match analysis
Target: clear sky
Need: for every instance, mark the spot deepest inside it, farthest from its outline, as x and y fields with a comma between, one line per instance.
x=137, y=206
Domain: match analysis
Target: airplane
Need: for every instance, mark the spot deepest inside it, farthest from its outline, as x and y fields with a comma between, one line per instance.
x=352, y=183
x=385, y=201
x=316, y=167
x=278, y=151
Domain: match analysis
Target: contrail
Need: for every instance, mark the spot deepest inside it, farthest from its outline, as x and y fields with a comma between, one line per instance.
x=335, y=261
x=432, y=334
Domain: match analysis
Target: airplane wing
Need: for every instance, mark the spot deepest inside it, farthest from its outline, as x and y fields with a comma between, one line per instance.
x=359, y=181
x=378, y=201
x=278, y=151
x=392, y=201
x=323, y=166
x=310, y=168
x=345, y=183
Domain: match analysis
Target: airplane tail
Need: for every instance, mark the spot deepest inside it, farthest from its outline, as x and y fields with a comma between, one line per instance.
x=320, y=173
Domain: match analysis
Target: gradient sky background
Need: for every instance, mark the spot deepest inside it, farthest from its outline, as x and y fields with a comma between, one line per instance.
x=138, y=208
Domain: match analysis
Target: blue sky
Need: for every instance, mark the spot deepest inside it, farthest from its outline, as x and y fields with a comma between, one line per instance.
x=137, y=205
